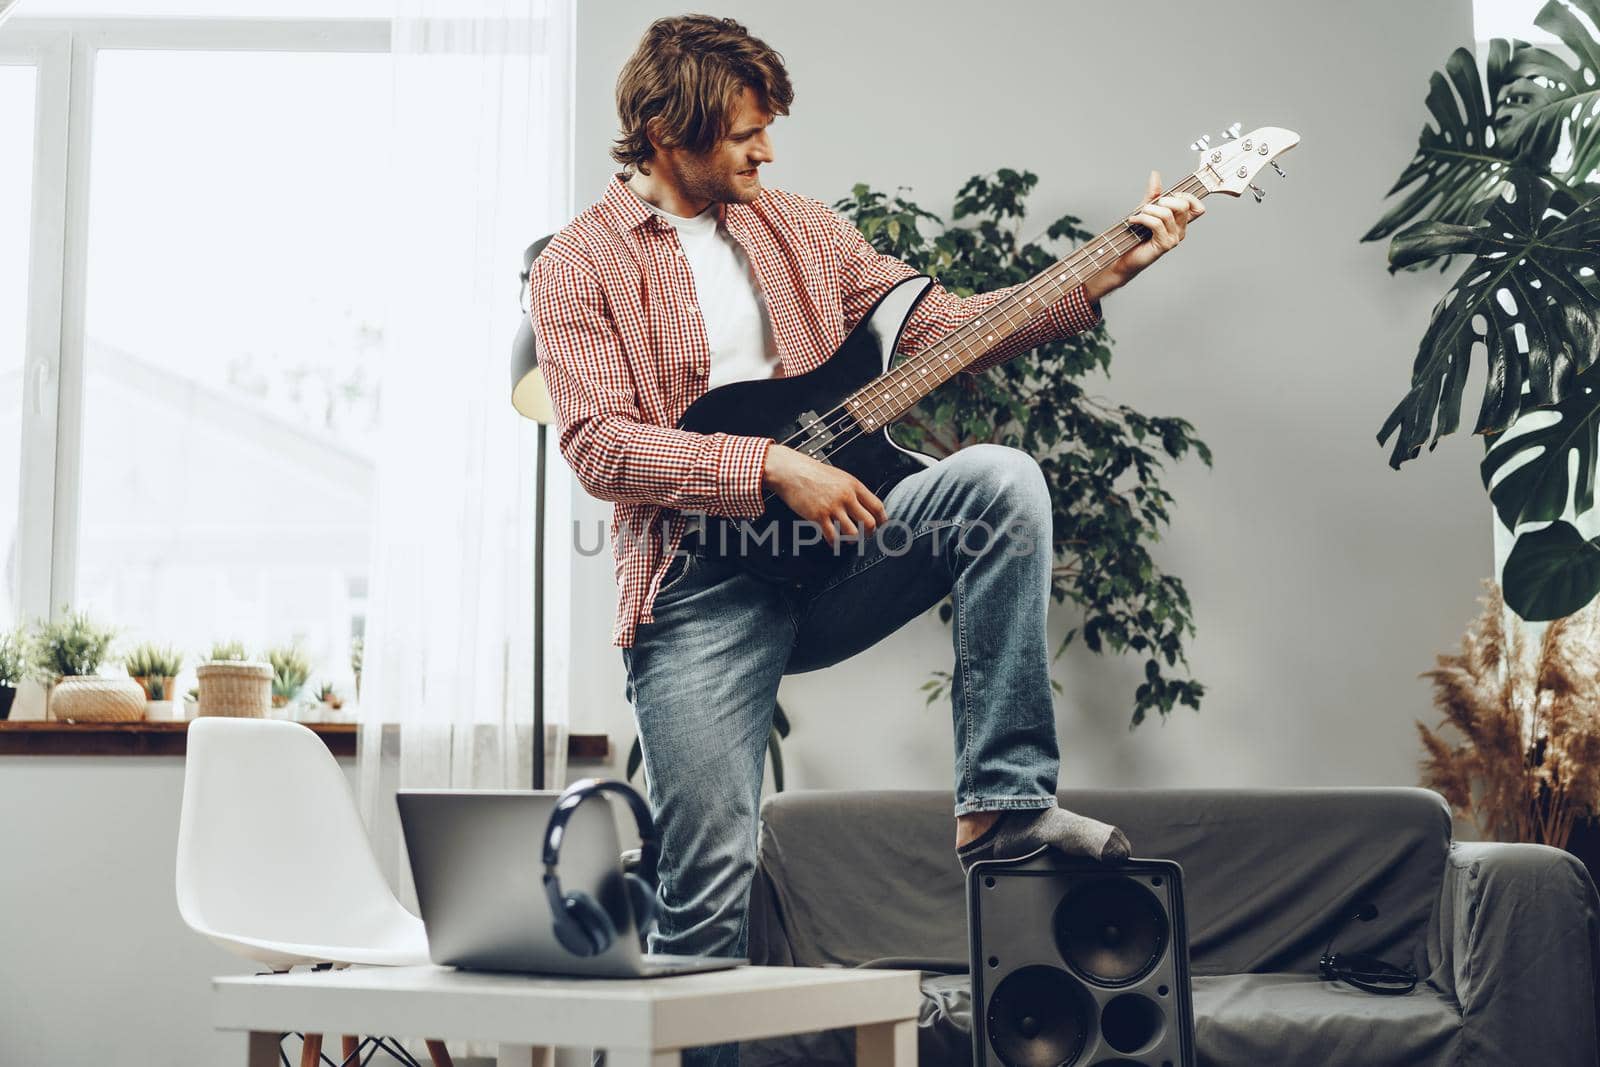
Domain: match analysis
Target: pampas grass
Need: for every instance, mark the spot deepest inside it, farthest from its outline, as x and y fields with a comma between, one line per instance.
x=1527, y=764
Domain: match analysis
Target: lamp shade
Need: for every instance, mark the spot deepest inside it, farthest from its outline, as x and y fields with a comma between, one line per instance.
x=528, y=393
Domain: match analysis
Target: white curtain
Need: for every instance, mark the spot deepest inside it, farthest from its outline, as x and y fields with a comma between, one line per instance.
x=481, y=165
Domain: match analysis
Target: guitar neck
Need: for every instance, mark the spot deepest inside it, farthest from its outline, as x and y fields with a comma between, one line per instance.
x=895, y=393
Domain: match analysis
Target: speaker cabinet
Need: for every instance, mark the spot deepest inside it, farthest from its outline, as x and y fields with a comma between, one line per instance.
x=1079, y=963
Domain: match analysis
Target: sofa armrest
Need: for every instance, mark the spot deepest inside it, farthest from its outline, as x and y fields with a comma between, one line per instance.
x=1515, y=938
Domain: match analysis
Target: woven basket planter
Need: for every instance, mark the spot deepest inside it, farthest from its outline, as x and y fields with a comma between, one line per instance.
x=235, y=689
x=91, y=699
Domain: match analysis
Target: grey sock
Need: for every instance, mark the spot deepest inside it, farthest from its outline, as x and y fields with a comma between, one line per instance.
x=980, y=847
x=1022, y=832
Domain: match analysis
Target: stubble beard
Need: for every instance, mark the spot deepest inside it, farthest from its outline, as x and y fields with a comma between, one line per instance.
x=702, y=181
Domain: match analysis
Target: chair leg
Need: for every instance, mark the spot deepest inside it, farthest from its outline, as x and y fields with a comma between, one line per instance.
x=439, y=1054
x=311, y=1051
x=349, y=1047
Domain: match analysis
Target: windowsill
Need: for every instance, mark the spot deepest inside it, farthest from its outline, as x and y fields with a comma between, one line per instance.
x=33, y=738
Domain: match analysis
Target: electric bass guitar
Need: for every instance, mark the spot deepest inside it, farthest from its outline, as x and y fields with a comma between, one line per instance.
x=839, y=413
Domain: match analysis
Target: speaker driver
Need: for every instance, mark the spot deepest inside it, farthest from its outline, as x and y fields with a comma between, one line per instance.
x=1112, y=931
x=1039, y=1017
x=1130, y=1022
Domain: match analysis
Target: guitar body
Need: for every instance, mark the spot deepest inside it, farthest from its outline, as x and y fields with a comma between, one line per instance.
x=801, y=412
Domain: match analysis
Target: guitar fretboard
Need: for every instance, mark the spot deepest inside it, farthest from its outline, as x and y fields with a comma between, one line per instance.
x=893, y=394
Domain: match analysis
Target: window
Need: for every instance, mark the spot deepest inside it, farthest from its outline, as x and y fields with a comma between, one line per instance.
x=234, y=319
x=17, y=105
x=221, y=320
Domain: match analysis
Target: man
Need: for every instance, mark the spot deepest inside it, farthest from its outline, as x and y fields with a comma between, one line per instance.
x=687, y=275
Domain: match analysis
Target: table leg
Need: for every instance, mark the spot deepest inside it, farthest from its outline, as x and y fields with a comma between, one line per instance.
x=524, y=1056
x=262, y=1050
x=887, y=1044
x=640, y=1057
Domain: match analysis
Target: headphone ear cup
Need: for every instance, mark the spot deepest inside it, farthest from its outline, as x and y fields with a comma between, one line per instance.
x=588, y=930
x=642, y=896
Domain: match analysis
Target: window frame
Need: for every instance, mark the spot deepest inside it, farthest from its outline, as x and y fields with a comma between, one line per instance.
x=63, y=52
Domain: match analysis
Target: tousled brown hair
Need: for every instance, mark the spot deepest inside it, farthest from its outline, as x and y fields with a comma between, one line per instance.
x=682, y=81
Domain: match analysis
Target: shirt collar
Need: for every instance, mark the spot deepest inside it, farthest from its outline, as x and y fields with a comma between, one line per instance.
x=627, y=209
x=630, y=212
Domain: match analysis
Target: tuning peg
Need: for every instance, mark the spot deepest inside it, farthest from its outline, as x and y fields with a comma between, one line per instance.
x=1279, y=169
x=1201, y=144
x=1233, y=131
x=1259, y=193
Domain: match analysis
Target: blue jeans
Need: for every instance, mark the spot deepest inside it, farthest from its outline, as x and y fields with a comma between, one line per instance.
x=703, y=677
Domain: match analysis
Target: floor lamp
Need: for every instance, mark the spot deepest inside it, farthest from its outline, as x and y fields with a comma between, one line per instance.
x=532, y=400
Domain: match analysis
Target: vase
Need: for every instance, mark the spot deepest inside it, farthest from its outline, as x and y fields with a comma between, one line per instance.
x=158, y=688
x=89, y=698
x=8, y=696
x=235, y=688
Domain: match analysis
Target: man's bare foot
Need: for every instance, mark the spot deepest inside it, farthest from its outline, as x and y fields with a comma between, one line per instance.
x=971, y=825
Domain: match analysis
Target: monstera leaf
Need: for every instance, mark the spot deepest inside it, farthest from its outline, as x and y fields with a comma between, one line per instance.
x=1465, y=159
x=1551, y=573
x=1528, y=296
x=1548, y=103
x=1537, y=490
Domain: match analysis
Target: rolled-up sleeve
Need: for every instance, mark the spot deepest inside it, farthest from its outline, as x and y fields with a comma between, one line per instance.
x=616, y=454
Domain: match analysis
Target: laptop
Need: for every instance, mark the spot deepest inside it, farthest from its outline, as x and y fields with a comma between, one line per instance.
x=476, y=860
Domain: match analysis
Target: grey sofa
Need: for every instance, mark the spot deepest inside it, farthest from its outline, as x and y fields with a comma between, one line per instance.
x=1505, y=937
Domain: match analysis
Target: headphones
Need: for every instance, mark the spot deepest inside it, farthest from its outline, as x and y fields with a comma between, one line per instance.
x=581, y=924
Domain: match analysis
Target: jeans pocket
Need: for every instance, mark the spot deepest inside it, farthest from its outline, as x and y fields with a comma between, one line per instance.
x=677, y=571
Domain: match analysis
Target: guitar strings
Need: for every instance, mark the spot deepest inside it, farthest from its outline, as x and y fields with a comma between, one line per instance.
x=879, y=407
x=828, y=419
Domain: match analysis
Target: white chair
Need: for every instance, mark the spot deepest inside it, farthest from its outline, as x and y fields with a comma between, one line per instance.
x=274, y=863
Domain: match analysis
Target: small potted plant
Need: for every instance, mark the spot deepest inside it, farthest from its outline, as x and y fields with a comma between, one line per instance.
x=290, y=672
x=232, y=684
x=155, y=667
x=329, y=698
x=67, y=655
x=13, y=667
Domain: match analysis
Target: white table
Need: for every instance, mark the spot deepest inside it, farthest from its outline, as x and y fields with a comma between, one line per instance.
x=639, y=1022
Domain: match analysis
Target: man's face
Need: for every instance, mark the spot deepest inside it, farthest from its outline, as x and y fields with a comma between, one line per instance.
x=728, y=172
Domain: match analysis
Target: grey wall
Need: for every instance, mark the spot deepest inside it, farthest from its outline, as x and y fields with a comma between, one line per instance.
x=99, y=968
x=1322, y=581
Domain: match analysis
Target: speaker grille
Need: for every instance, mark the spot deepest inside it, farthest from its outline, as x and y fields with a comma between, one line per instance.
x=1039, y=1017
x=1112, y=931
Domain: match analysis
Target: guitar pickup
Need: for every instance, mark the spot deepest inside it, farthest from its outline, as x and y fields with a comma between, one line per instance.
x=817, y=433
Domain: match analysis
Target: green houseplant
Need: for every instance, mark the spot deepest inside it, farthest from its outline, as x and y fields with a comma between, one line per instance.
x=68, y=653
x=291, y=669
x=13, y=667
x=155, y=667
x=1103, y=460
x=1507, y=179
x=227, y=652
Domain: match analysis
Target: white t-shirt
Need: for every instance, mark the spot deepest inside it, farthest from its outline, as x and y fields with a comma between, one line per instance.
x=738, y=325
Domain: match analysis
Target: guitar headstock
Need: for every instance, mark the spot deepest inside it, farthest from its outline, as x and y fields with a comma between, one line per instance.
x=1230, y=166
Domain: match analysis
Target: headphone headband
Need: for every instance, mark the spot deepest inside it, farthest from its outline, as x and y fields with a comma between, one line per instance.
x=575, y=794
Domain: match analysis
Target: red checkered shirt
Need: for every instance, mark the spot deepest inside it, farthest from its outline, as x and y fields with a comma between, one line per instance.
x=624, y=353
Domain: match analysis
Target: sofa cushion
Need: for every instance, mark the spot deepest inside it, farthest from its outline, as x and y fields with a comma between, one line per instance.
x=1269, y=874
x=1295, y=1018
x=1243, y=1020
